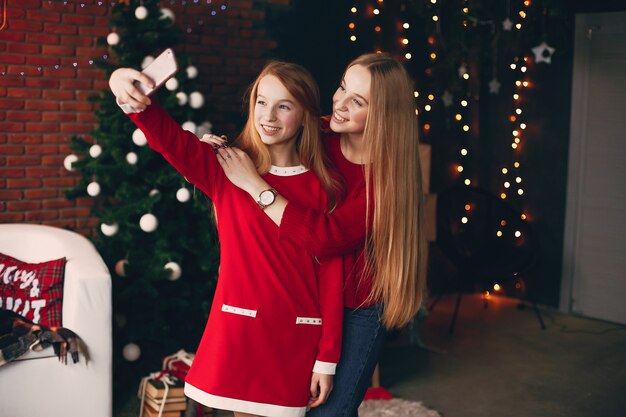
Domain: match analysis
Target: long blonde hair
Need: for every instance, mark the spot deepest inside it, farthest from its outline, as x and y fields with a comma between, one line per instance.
x=301, y=85
x=396, y=241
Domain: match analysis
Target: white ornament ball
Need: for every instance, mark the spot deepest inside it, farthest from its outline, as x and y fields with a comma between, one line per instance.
x=93, y=189
x=141, y=12
x=192, y=72
x=204, y=128
x=69, y=160
x=196, y=100
x=109, y=229
x=113, y=38
x=95, y=151
x=174, y=269
x=120, y=267
x=171, y=84
x=131, y=352
x=190, y=126
x=147, y=61
x=153, y=192
x=183, y=195
x=132, y=158
x=182, y=98
x=148, y=223
x=167, y=14
x=139, y=138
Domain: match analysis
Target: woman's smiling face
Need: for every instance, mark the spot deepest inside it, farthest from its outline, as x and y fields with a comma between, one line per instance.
x=351, y=101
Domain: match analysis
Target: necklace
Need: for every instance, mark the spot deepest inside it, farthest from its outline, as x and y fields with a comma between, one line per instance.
x=287, y=171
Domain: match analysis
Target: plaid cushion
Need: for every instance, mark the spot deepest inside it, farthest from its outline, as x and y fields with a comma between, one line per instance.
x=34, y=291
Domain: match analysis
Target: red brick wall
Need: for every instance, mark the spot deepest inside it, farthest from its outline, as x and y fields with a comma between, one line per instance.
x=41, y=109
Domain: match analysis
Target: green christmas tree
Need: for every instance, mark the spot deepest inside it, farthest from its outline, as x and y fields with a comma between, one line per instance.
x=155, y=231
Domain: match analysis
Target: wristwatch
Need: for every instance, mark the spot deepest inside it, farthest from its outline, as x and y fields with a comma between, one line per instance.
x=266, y=198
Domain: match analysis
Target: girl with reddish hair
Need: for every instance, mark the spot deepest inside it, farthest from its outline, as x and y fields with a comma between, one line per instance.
x=273, y=337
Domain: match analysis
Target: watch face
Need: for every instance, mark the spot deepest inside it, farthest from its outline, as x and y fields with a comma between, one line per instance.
x=266, y=197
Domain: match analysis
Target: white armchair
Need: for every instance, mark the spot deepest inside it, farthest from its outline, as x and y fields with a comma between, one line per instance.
x=37, y=384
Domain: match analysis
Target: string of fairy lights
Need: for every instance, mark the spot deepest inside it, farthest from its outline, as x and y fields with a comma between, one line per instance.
x=457, y=105
x=512, y=175
x=215, y=7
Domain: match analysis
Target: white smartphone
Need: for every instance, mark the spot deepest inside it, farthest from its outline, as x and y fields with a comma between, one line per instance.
x=159, y=71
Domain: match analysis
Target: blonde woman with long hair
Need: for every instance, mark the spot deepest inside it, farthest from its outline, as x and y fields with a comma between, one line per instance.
x=273, y=338
x=373, y=141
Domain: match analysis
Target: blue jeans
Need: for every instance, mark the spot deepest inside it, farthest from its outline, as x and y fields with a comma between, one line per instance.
x=363, y=339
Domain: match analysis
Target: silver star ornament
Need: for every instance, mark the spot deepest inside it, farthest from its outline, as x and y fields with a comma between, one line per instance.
x=543, y=53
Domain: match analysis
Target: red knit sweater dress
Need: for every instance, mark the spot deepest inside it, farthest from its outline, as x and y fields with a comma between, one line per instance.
x=277, y=311
x=341, y=232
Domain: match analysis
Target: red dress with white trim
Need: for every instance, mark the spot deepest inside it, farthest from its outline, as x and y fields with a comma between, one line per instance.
x=340, y=232
x=277, y=311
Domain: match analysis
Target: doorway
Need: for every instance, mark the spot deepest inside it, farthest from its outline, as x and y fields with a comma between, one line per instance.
x=594, y=265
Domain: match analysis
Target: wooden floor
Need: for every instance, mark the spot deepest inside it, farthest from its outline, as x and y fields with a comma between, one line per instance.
x=500, y=363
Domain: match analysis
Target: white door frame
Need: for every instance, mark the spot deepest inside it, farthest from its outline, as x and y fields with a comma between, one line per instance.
x=585, y=27
x=575, y=165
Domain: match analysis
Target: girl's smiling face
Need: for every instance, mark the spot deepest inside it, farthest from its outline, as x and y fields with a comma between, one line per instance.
x=278, y=116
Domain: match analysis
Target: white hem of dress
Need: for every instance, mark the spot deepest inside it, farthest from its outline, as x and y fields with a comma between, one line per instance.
x=250, y=407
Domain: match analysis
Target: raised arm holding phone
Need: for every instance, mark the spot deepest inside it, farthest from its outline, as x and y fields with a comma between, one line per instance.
x=273, y=337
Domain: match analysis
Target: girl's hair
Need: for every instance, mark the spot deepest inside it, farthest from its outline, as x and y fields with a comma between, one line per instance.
x=301, y=85
x=396, y=239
